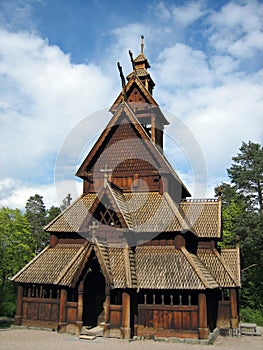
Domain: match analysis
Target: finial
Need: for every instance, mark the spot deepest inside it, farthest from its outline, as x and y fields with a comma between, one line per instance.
x=122, y=81
x=132, y=60
x=142, y=43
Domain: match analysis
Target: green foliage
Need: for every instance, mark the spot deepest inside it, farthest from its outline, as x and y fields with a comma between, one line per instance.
x=8, y=300
x=36, y=215
x=246, y=172
x=16, y=249
x=52, y=213
x=252, y=315
x=243, y=220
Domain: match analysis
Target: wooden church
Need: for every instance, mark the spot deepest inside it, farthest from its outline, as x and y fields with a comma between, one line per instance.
x=134, y=254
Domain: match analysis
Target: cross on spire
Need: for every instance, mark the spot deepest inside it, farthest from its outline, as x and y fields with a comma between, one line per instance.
x=68, y=199
x=92, y=228
x=106, y=172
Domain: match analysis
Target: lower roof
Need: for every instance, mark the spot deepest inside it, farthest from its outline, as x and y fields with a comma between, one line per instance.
x=146, y=267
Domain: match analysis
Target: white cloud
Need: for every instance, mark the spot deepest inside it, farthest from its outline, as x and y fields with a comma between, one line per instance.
x=44, y=96
x=189, y=13
x=237, y=28
x=181, y=66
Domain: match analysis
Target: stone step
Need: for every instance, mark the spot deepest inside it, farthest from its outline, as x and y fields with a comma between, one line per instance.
x=95, y=331
x=249, y=329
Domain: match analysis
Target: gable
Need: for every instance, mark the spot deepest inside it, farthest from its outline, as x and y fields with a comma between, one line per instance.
x=124, y=144
x=135, y=92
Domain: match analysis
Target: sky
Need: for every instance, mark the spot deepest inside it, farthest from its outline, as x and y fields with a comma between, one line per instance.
x=58, y=78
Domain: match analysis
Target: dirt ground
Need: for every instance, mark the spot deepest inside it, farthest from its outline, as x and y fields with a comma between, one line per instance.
x=16, y=339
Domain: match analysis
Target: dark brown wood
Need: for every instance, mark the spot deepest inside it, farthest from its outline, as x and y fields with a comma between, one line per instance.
x=63, y=310
x=125, y=320
x=233, y=305
x=19, y=305
x=203, y=329
x=106, y=330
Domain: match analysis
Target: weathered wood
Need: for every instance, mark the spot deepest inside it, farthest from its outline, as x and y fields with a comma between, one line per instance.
x=203, y=329
x=125, y=321
x=106, y=306
x=19, y=305
x=63, y=310
x=233, y=308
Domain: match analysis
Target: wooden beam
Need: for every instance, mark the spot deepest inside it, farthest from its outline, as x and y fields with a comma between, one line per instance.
x=233, y=308
x=125, y=324
x=203, y=329
x=79, y=321
x=106, y=306
x=19, y=304
x=63, y=310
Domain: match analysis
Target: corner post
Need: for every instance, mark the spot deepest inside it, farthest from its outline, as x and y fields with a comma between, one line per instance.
x=63, y=310
x=106, y=306
x=125, y=322
x=79, y=322
x=233, y=306
x=203, y=329
x=18, y=316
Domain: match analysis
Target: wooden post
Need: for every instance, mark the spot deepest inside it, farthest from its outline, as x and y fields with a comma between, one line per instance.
x=79, y=322
x=233, y=306
x=203, y=330
x=106, y=306
x=126, y=327
x=19, y=304
x=63, y=311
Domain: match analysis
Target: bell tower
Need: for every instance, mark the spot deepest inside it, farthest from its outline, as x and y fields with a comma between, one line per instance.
x=138, y=93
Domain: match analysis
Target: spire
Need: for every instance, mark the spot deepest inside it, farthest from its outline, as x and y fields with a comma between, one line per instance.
x=142, y=43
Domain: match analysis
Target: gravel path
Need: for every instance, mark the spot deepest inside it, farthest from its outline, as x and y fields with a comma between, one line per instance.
x=16, y=339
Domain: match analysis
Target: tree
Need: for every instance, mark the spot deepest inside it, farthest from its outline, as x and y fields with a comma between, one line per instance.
x=36, y=215
x=52, y=213
x=242, y=220
x=16, y=249
x=247, y=172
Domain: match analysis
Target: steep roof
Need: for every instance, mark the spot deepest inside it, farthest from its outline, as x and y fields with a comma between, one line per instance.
x=204, y=216
x=219, y=268
x=169, y=268
x=124, y=130
x=60, y=265
x=138, y=212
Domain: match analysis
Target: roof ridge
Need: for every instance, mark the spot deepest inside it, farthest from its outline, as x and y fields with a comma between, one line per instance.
x=177, y=212
x=68, y=266
x=225, y=265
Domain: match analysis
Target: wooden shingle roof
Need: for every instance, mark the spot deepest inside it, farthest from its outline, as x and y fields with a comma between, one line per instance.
x=148, y=267
x=204, y=216
x=218, y=267
x=60, y=265
x=164, y=267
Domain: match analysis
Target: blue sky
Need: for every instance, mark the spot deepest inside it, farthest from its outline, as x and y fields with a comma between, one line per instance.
x=58, y=76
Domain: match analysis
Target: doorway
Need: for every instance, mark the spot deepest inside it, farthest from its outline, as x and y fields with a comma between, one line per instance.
x=94, y=294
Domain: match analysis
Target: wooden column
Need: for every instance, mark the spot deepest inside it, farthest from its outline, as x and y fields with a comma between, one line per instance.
x=19, y=304
x=106, y=306
x=63, y=310
x=203, y=330
x=125, y=321
x=79, y=322
x=233, y=308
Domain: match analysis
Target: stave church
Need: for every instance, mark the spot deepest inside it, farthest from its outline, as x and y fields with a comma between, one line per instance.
x=135, y=255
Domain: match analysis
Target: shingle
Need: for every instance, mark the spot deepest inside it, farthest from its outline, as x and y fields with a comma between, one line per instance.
x=57, y=265
x=217, y=267
x=70, y=220
x=204, y=216
x=169, y=268
x=232, y=259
